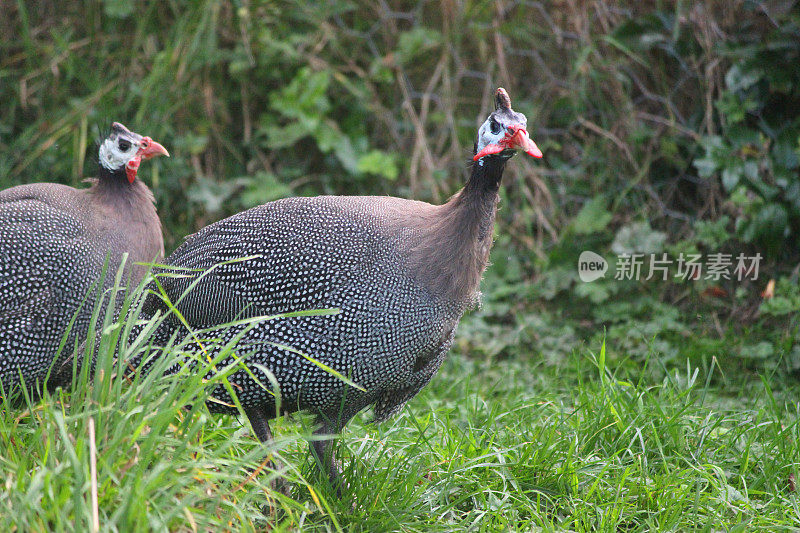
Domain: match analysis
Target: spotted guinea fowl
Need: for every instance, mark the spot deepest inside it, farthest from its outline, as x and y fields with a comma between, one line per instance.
x=54, y=242
x=401, y=272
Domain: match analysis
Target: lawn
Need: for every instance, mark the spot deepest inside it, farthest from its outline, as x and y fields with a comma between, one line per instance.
x=512, y=442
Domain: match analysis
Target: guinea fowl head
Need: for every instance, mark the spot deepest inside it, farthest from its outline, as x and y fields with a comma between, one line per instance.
x=124, y=150
x=504, y=132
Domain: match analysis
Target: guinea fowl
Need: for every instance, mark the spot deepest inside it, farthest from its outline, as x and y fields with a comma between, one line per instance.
x=401, y=272
x=55, y=242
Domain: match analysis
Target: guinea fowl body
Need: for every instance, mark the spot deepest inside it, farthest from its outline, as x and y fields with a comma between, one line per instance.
x=370, y=258
x=55, y=241
x=400, y=272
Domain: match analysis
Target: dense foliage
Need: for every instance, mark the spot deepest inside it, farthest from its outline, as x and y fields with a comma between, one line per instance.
x=665, y=114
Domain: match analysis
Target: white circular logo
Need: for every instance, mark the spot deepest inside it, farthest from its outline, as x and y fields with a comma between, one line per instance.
x=591, y=266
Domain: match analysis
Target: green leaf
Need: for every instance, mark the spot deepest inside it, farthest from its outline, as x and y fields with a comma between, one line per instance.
x=119, y=9
x=769, y=225
x=592, y=217
x=331, y=139
x=264, y=187
x=786, y=152
x=716, y=152
x=213, y=194
x=416, y=42
x=761, y=350
x=713, y=233
x=738, y=78
x=597, y=292
x=284, y=136
x=304, y=97
x=735, y=107
x=379, y=163
x=638, y=237
x=731, y=175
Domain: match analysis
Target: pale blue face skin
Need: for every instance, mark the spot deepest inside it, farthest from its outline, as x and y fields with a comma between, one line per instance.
x=119, y=148
x=495, y=128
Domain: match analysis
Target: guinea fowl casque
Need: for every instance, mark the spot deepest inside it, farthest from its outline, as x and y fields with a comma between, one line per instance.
x=401, y=272
x=54, y=244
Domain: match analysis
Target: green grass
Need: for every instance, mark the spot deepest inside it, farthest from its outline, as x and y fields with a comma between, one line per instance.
x=499, y=444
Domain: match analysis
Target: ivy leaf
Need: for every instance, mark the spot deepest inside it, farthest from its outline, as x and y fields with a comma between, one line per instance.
x=714, y=158
x=731, y=175
x=737, y=79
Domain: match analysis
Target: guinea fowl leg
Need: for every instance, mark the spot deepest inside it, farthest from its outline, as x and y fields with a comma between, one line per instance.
x=260, y=423
x=323, y=450
x=258, y=419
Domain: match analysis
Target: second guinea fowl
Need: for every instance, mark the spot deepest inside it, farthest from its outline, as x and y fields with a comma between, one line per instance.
x=402, y=273
x=54, y=243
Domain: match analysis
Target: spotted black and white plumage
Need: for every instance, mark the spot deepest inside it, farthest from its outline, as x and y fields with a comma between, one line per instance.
x=400, y=272
x=316, y=253
x=54, y=244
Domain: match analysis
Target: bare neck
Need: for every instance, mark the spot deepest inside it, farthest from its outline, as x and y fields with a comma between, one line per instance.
x=128, y=210
x=454, y=246
x=113, y=189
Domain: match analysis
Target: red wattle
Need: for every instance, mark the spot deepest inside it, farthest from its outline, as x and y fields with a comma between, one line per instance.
x=489, y=150
x=132, y=167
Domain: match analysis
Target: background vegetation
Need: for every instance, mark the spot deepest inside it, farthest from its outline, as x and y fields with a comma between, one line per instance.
x=666, y=126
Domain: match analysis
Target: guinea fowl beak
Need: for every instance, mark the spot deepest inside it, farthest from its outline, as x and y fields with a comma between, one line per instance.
x=150, y=148
x=521, y=141
x=516, y=139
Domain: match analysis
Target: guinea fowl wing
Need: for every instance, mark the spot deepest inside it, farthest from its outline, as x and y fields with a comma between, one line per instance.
x=305, y=254
x=27, y=280
x=35, y=237
x=272, y=259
